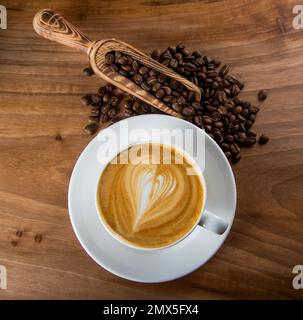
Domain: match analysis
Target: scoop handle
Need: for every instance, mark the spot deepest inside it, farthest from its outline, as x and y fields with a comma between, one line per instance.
x=51, y=25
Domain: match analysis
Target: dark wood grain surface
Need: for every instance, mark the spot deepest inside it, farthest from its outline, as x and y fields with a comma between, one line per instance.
x=41, y=83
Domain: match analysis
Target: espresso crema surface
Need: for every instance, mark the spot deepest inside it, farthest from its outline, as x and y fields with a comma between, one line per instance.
x=148, y=204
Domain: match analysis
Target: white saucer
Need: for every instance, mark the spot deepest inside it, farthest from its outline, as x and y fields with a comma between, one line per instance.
x=160, y=265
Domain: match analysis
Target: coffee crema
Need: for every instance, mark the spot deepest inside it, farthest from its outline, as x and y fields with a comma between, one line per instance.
x=150, y=205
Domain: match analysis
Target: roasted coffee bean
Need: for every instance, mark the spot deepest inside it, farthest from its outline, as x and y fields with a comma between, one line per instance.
x=229, y=138
x=211, y=108
x=136, y=105
x=222, y=111
x=101, y=91
x=253, y=110
x=252, y=117
x=145, y=86
x=242, y=135
x=173, y=63
x=198, y=121
x=166, y=99
x=224, y=70
x=88, y=71
x=218, y=136
x=156, y=87
x=236, y=128
x=181, y=100
x=243, y=126
x=124, y=73
x=221, y=96
x=174, y=84
x=248, y=124
x=111, y=113
x=167, y=90
x=114, y=101
x=156, y=54
x=104, y=117
x=235, y=90
x=232, y=118
x=161, y=78
x=106, y=97
x=138, y=79
x=96, y=99
x=208, y=128
x=122, y=60
x=91, y=128
x=262, y=95
x=114, y=67
x=238, y=109
x=86, y=100
x=145, y=108
x=185, y=52
x=160, y=93
x=109, y=58
x=135, y=65
x=228, y=154
x=236, y=158
x=178, y=56
x=227, y=91
x=167, y=55
x=143, y=70
x=218, y=124
x=95, y=112
x=117, y=54
x=234, y=148
x=234, y=80
x=128, y=113
x=207, y=120
x=225, y=146
x=245, y=113
x=93, y=119
x=188, y=111
x=251, y=133
x=263, y=139
x=152, y=73
x=197, y=106
x=249, y=142
x=180, y=47
x=175, y=106
x=152, y=80
x=127, y=104
x=105, y=108
x=126, y=68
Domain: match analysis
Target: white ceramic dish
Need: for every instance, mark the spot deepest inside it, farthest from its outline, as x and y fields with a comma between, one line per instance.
x=156, y=265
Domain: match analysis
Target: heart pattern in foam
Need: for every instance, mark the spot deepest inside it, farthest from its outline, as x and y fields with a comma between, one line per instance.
x=152, y=190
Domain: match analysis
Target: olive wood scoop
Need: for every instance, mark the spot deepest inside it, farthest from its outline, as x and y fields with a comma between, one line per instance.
x=52, y=26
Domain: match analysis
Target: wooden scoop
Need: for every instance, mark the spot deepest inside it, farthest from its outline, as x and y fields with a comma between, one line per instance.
x=52, y=26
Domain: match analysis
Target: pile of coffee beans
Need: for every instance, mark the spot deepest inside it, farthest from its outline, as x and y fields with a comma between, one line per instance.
x=103, y=107
x=171, y=92
x=134, y=107
x=221, y=113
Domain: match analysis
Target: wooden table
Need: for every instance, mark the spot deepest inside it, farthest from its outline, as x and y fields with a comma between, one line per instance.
x=41, y=83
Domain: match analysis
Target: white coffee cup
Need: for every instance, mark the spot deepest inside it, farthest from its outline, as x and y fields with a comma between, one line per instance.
x=205, y=219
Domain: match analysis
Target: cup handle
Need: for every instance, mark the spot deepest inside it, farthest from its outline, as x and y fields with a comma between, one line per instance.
x=213, y=223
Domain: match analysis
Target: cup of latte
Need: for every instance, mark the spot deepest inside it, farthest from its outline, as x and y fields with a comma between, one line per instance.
x=152, y=196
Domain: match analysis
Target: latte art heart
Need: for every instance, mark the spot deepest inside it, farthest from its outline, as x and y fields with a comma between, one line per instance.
x=150, y=205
